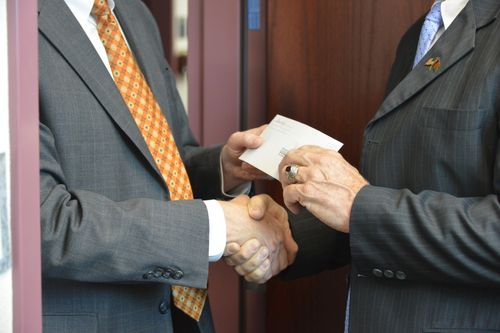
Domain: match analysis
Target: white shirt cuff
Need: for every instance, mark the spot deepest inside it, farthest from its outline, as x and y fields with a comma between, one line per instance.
x=243, y=188
x=217, y=231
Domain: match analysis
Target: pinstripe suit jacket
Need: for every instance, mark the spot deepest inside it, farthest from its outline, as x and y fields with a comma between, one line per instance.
x=112, y=242
x=425, y=235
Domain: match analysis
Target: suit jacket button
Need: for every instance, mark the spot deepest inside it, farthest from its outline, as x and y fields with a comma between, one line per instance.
x=177, y=274
x=148, y=275
x=158, y=273
x=400, y=275
x=163, y=307
x=377, y=272
x=388, y=274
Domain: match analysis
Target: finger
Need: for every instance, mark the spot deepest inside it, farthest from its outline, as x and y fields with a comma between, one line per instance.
x=316, y=173
x=231, y=248
x=247, y=251
x=294, y=156
x=307, y=156
x=291, y=247
x=314, y=148
x=254, y=262
x=229, y=261
x=261, y=274
x=275, y=262
x=257, y=130
x=240, y=141
x=261, y=204
x=292, y=197
x=283, y=259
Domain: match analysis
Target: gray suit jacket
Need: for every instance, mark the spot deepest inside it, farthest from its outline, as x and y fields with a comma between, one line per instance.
x=425, y=235
x=112, y=242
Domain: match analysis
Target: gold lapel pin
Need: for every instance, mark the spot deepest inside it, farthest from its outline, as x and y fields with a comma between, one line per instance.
x=434, y=64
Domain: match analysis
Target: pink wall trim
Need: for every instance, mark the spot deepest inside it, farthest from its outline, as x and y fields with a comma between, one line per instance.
x=25, y=195
x=214, y=69
x=221, y=80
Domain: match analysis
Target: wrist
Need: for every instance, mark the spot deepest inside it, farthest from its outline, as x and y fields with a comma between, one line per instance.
x=229, y=178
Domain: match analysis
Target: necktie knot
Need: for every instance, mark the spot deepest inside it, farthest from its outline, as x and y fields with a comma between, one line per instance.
x=433, y=22
x=100, y=9
x=434, y=14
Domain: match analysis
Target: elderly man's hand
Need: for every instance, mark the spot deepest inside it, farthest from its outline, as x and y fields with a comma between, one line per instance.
x=255, y=259
x=323, y=182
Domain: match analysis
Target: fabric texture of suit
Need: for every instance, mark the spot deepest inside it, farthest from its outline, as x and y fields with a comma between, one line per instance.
x=425, y=235
x=112, y=242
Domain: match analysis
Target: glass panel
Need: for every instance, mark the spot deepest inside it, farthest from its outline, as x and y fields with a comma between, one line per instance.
x=5, y=253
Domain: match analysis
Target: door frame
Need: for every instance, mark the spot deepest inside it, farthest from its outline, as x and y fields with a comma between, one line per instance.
x=22, y=19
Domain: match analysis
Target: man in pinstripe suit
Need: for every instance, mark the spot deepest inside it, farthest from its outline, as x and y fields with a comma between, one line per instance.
x=421, y=226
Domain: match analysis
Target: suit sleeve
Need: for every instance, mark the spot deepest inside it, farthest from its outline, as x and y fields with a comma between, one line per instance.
x=320, y=247
x=429, y=236
x=88, y=237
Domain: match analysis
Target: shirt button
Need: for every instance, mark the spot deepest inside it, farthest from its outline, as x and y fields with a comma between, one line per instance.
x=377, y=272
x=400, y=275
x=163, y=307
x=388, y=274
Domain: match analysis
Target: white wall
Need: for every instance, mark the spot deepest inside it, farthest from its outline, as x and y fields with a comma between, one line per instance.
x=180, y=10
x=6, y=276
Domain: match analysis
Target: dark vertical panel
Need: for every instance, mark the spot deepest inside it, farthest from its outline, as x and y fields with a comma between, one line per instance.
x=254, y=319
x=328, y=62
x=163, y=14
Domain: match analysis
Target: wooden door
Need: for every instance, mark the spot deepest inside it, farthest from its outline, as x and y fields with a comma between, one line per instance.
x=327, y=65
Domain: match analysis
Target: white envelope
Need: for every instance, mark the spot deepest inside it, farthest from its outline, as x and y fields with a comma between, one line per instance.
x=282, y=135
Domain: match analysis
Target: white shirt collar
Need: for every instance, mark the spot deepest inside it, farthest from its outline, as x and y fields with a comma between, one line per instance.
x=450, y=10
x=81, y=9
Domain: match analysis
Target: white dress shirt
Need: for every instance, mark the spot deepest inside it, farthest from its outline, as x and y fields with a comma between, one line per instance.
x=449, y=12
x=81, y=9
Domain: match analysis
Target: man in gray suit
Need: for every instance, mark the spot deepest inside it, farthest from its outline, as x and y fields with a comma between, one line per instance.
x=421, y=229
x=113, y=238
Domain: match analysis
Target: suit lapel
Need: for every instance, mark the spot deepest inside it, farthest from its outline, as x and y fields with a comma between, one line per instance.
x=457, y=41
x=58, y=25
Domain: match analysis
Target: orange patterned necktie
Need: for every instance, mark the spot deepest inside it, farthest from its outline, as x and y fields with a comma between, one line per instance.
x=154, y=129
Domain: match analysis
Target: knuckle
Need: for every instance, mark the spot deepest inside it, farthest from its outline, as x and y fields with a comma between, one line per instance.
x=243, y=256
x=316, y=173
x=308, y=189
x=324, y=160
x=239, y=270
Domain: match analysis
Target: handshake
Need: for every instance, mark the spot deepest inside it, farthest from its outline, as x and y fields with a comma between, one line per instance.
x=259, y=241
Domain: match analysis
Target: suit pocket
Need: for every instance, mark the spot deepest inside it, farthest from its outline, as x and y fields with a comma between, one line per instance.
x=458, y=330
x=74, y=323
x=451, y=119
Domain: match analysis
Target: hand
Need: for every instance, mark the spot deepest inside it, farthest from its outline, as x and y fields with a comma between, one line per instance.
x=258, y=259
x=325, y=184
x=235, y=171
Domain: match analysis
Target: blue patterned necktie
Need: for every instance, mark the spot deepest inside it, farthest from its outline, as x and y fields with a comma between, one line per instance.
x=433, y=21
